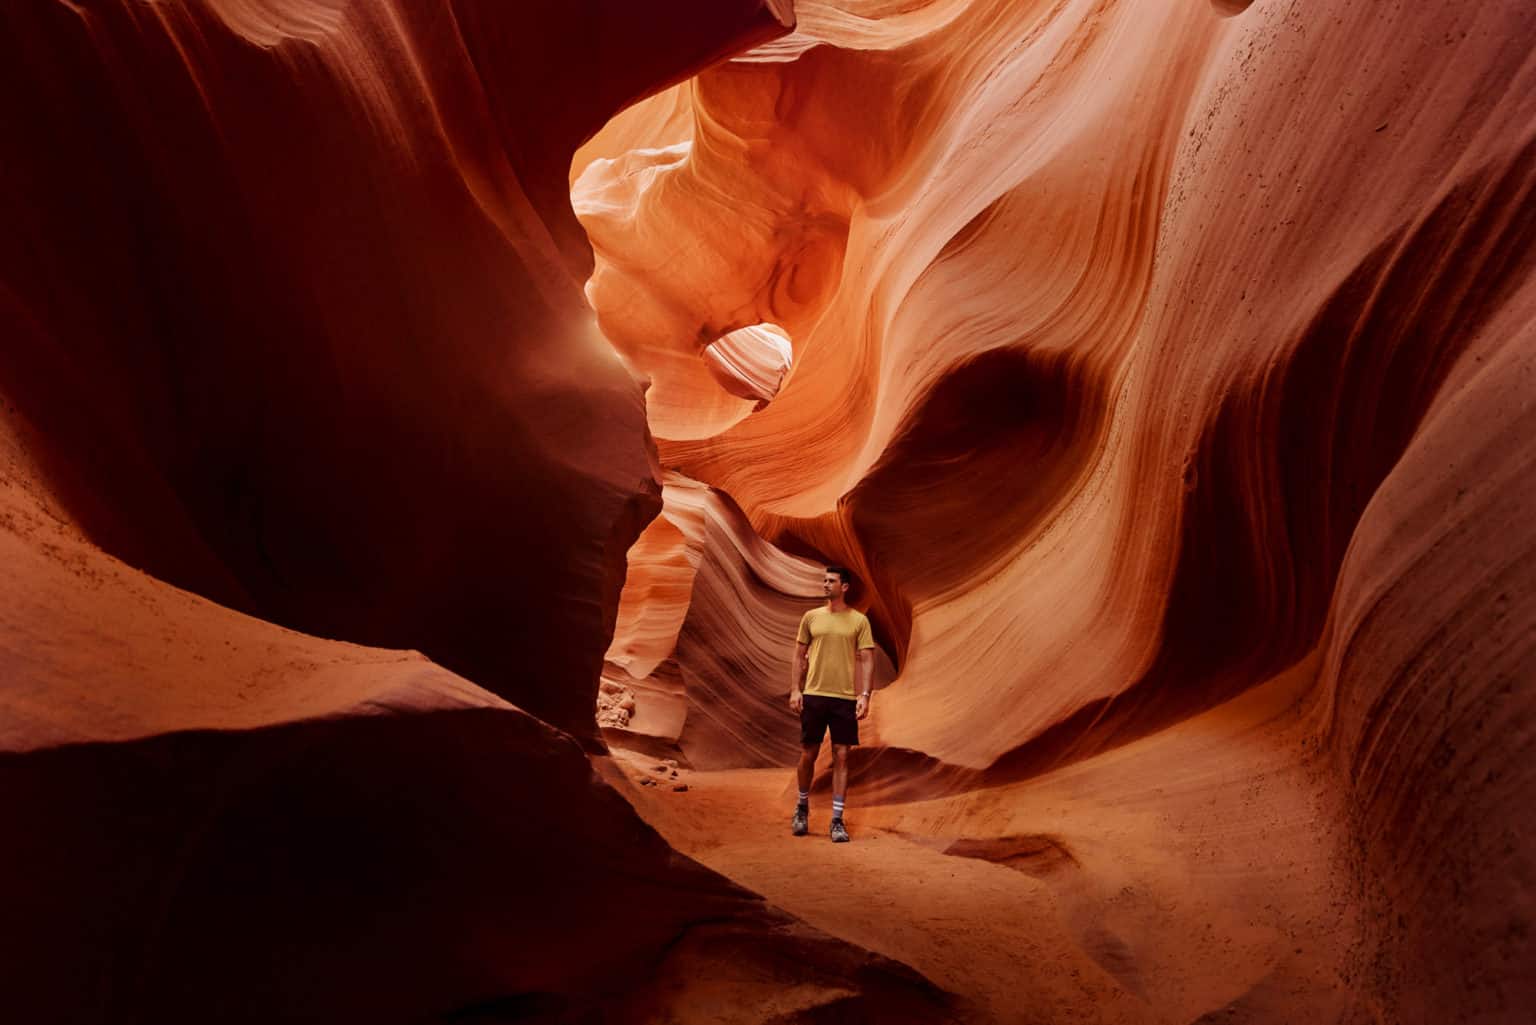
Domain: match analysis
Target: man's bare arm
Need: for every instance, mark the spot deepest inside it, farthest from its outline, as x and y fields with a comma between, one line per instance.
x=797, y=681
x=866, y=674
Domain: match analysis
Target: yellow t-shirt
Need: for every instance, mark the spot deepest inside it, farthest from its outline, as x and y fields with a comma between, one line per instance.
x=833, y=637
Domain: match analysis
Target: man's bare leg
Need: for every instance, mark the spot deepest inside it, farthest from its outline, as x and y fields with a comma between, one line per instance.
x=806, y=770
x=803, y=775
x=839, y=791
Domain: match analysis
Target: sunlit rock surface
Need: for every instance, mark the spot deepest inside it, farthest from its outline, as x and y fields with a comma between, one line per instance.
x=751, y=362
x=294, y=291
x=1147, y=358
x=401, y=400
x=704, y=640
x=295, y=340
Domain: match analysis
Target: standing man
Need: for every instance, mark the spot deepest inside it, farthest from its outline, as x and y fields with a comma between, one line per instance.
x=831, y=640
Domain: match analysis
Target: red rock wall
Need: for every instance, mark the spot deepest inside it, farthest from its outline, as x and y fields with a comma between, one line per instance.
x=1429, y=657
x=213, y=818
x=294, y=293
x=1143, y=355
x=293, y=319
x=1163, y=369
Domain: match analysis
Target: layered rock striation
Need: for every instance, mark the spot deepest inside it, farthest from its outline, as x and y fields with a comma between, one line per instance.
x=295, y=341
x=1146, y=358
x=1165, y=372
x=216, y=818
x=699, y=654
x=294, y=292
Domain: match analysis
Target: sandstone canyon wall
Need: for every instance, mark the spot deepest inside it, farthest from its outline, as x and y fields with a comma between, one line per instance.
x=293, y=290
x=215, y=819
x=1146, y=357
x=1165, y=370
x=294, y=339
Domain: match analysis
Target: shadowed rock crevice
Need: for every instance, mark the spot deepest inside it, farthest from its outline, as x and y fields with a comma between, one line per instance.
x=303, y=319
x=226, y=834
x=1252, y=590
x=1164, y=371
x=981, y=460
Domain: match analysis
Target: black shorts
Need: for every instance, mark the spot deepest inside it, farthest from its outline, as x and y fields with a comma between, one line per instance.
x=817, y=713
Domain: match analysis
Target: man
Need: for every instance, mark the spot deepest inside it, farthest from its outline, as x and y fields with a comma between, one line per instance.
x=831, y=640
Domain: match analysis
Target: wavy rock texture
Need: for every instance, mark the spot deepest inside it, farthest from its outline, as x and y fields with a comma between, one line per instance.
x=1144, y=355
x=292, y=298
x=700, y=642
x=218, y=819
x=751, y=362
x=293, y=289
x=1428, y=666
x=1164, y=370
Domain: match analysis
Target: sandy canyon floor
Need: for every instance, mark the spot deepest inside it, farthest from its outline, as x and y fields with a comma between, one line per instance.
x=1128, y=888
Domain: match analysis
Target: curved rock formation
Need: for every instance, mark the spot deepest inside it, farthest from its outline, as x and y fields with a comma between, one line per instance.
x=1427, y=668
x=294, y=293
x=699, y=656
x=1164, y=370
x=751, y=362
x=216, y=818
x=1147, y=358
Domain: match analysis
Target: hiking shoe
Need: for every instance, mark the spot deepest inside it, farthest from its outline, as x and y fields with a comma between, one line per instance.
x=798, y=824
x=839, y=831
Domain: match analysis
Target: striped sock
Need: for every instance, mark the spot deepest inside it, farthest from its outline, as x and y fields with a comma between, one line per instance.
x=837, y=807
x=805, y=798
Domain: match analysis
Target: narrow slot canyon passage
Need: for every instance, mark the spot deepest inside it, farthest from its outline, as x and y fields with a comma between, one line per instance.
x=436, y=435
x=1073, y=801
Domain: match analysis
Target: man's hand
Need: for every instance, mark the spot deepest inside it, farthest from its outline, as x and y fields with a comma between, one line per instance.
x=862, y=708
x=796, y=699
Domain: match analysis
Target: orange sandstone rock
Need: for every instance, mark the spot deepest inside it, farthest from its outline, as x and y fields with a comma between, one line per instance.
x=1146, y=357
x=294, y=291
x=215, y=818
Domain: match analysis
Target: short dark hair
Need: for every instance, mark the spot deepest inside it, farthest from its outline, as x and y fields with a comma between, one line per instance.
x=843, y=572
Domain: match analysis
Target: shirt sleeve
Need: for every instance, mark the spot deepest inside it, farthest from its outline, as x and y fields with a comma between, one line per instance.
x=804, y=636
x=865, y=639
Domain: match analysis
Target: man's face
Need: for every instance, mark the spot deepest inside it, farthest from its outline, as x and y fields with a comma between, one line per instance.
x=832, y=585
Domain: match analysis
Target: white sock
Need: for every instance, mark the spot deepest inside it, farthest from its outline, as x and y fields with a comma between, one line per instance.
x=805, y=797
x=837, y=807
